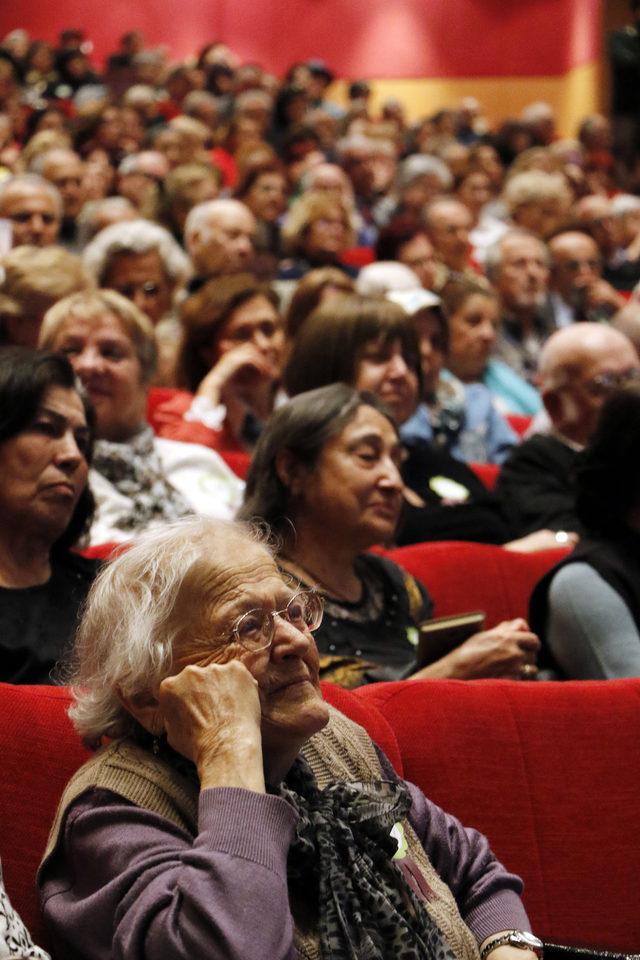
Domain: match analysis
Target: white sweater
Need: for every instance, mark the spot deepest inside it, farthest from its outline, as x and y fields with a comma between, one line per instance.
x=202, y=477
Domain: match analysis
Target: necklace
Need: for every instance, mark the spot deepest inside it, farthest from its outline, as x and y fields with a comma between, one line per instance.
x=313, y=580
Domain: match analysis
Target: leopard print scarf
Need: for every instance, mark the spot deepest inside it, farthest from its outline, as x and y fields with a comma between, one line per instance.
x=342, y=859
x=135, y=470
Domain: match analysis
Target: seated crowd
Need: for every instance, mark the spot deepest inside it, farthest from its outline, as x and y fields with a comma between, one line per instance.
x=250, y=341
x=204, y=243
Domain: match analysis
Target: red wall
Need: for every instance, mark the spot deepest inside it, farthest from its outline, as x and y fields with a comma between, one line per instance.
x=364, y=38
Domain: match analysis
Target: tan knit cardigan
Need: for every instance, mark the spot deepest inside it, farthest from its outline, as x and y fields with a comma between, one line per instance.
x=342, y=751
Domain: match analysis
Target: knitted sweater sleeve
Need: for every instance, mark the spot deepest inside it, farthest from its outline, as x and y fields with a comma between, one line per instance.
x=487, y=894
x=127, y=883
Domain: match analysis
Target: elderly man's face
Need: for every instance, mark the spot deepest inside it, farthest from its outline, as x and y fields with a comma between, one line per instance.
x=576, y=265
x=226, y=244
x=577, y=404
x=141, y=278
x=523, y=276
x=418, y=254
x=287, y=672
x=65, y=170
x=449, y=229
x=33, y=214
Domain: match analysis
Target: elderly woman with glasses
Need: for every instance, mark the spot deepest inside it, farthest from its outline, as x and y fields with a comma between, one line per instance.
x=232, y=813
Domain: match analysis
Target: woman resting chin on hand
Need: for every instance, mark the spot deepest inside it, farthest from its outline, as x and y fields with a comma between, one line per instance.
x=234, y=815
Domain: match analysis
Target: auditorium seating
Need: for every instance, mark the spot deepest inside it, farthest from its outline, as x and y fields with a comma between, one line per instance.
x=476, y=576
x=549, y=771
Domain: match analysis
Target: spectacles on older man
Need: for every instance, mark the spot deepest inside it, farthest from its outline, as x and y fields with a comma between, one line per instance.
x=606, y=383
x=254, y=630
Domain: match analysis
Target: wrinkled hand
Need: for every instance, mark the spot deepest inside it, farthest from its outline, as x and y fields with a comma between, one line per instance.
x=212, y=716
x=236, y=367
x=506, y=651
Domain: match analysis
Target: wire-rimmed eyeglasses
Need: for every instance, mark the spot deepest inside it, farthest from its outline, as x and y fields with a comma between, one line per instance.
x=254, y=630
x=607, y=382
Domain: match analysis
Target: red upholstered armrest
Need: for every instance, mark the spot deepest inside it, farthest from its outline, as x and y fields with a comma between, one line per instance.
x=476, y=576
x=550, y=773
x=40, y=750
x=369, y=717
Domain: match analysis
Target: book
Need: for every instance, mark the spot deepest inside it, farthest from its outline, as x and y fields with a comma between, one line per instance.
x=441, y=635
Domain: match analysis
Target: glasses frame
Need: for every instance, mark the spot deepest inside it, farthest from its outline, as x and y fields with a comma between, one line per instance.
x=605, y=383
x=269, y=620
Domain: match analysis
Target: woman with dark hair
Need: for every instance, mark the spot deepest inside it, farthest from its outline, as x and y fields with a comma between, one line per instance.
x=325, y=476
x=587, y=609
x=229, y=365
x=315, y=288
x=46, y=435
x=263, y=188
x=372, y=344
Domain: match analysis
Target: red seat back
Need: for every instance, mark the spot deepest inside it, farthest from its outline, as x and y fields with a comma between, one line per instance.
x=477, y=576
x=540, y=769
x=40, y=750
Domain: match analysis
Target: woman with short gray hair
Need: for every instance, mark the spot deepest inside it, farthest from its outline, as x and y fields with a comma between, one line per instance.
x=234, y=815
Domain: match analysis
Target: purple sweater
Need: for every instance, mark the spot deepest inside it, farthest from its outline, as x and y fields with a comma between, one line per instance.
x=126, y=883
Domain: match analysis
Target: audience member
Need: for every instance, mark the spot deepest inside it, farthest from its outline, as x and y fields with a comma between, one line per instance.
x=32, y=280
x=458, y=414
x=316, y=287
x=588, y=608
x=65, y=170
x=405, y=239
x=33, y=207
x=579, y=367
x=194, y=653
x=326, y=477
x=371, y=344
x=448, y=222
x=143, y=262
x=219, y=236
x=518, y=267
x=138, y=480
x=577, y=290
x=316, y=231
x=537, y=201
x=96, y=215
x=229, y=365
x=46, y=435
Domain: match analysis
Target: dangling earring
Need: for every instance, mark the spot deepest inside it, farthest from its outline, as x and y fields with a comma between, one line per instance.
x=155, y=746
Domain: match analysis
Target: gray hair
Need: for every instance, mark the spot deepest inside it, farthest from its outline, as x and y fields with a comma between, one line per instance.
x=141, y=605
x=532, y=186
x=88, y=220
x=420, y=165
x=624, y=203
x=196, y=99
x=252, y=98
x=135, y=236
x=494, y=254
x=199, y=217
x=33, y=180
x=377, y=279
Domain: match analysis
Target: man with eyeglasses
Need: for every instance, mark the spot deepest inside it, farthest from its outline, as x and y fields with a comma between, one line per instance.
x=580, y=367
x=33, y=207
x=578, y=291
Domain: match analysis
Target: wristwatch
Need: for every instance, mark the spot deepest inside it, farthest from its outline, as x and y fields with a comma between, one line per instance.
x=515, y=938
